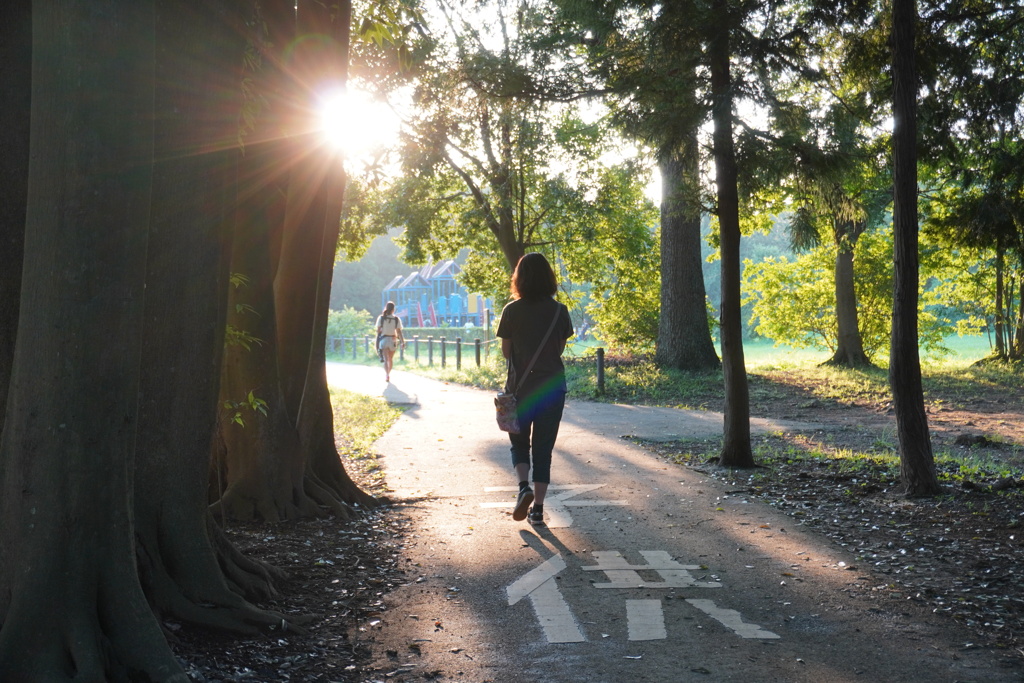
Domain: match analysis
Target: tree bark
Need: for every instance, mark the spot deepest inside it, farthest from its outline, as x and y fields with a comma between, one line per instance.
x=265, y=463
x=917, y=464
x=1018, y=345
x=16, y=85
x=736, y=449
x=1000, y=317
x=850, y=347
x=303, y=280
x=264, y=459
x=185, y=313
x=684, y=338
x=73, y=608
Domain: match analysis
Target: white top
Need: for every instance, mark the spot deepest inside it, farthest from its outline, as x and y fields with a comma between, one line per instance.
x=389, y=325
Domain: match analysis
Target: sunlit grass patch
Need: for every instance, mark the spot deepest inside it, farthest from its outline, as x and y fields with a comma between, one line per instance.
x=359, y=421
x=839, y=385
x=965, y=381
x=489, y=375
x=639, y=380
x=961, y=466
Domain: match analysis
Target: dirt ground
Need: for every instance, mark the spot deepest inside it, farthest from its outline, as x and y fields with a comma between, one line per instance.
x=966, y=544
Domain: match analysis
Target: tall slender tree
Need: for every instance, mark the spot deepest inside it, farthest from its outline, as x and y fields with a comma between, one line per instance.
x=736, y=449
x=974, y=56
x=917, y=464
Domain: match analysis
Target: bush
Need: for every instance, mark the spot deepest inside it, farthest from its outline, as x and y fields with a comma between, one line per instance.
x=349, y=322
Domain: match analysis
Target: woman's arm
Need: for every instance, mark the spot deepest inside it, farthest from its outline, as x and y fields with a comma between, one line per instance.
x=506, y=347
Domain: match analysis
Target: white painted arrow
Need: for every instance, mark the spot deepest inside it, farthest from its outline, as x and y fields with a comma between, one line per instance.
x=552, y=611
x=559, y=498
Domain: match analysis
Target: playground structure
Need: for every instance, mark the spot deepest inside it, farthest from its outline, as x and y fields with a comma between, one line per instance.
x=431, y=297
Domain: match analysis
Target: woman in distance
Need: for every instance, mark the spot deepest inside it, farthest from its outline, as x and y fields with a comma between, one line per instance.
x=389, y=328
x=534, y=324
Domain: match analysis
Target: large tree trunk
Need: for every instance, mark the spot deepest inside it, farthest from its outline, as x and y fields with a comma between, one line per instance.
x=303, y=280
x=186, y=303
x=265, y=463
x=264, y=460
x=72, y=607
x=684, y=338
x=736, y=450
x=850, y=347
x=16, y=86
x=917, y=465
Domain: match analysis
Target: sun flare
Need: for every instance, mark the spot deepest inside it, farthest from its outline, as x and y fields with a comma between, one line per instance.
x=356, y=124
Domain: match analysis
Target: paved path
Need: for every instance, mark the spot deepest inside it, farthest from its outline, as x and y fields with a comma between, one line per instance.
x=646, y=572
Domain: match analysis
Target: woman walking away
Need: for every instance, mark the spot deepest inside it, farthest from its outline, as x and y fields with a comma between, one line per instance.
x=389, y=329
x=534, y=327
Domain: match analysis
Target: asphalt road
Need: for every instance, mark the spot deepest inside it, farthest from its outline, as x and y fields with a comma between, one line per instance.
x=646, y=572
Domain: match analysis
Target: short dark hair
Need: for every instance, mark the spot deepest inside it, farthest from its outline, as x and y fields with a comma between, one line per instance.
x=533, y=279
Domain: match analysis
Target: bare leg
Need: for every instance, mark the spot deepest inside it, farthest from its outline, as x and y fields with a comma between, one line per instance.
x=389, y=357
x=540, y=488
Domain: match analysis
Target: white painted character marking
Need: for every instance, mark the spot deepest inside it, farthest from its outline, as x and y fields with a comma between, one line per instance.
x=625, y=575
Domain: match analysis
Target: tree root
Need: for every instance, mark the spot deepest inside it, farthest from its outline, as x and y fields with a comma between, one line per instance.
x=96, y=626
x=250, y=578
x=325, y=497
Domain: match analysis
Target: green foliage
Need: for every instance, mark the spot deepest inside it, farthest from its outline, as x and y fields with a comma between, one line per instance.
x=793, y=301
x=234, y=336
x=959, y=287
x=348, y=322
x=391, y=27
x=251, y=404
x=624, y=278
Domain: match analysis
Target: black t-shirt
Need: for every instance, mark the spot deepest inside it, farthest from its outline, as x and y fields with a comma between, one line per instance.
x=525, y=323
